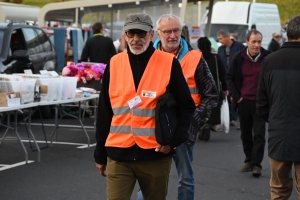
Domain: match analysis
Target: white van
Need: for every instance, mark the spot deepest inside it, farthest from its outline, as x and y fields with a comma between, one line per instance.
x=239, y=17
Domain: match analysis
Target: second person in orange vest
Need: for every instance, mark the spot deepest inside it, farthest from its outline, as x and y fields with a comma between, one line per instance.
x=134, y=80
x=202, y=88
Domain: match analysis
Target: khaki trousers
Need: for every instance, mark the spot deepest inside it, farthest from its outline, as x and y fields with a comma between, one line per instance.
x=281, y=181
x=152, y=176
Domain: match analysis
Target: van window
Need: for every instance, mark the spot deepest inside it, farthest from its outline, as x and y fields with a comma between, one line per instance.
x=44, y=40
x=17, y=41
x=239, y=30
x=32, y=41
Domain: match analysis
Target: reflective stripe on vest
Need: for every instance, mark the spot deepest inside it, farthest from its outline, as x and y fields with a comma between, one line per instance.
x=189, y=65
x=136, y=125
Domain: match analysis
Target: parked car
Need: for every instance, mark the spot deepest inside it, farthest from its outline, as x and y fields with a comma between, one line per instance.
x=39, y=52
x=25, y=37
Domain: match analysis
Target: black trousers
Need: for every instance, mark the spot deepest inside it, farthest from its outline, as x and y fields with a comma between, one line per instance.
x=253, y=129
x=215, y=116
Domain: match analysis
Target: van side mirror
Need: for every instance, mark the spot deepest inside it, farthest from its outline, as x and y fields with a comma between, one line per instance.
x=20, y=55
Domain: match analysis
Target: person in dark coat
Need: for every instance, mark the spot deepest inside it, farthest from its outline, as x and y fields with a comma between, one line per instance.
x=274, y=44
x=278, y=103
x=242, y=80
x=218, y=72
x=226, y=52
x=98, y=49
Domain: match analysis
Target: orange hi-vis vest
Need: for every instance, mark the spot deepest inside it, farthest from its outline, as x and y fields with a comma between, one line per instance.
x=189, y=65
x=136, y=125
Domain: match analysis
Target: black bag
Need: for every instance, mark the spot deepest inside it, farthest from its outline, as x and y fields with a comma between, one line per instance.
x=219, y=84
x=165, y=118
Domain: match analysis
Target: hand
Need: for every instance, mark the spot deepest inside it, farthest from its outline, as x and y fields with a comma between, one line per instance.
x=163, y=149
x=240, y=100
x=102, y=169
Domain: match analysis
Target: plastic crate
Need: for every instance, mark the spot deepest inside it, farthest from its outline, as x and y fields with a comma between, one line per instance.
x=24, y=87
x=69, y=87
x=58, y=88
x=44, y=81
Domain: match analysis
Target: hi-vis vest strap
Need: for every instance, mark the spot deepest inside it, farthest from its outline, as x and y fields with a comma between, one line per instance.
x=189, y=64
x=136, y=125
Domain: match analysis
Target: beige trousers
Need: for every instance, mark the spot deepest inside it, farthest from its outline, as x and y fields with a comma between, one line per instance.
x=281, y=181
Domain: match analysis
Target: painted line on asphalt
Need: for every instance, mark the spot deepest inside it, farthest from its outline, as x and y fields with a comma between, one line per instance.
x=62, y=125
x=14, y=165
x=86, y=146
x=68, y=143
x=80, y=145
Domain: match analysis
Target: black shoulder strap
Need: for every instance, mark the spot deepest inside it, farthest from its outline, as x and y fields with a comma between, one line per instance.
x=217, y=70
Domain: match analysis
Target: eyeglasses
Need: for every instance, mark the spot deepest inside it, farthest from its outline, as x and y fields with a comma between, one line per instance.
x=140, y=33
x=167, y=33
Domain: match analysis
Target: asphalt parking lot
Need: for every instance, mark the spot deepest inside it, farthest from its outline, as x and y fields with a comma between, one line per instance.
x=67, y=170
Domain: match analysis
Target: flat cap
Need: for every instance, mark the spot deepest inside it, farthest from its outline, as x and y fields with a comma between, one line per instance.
x=138, y=21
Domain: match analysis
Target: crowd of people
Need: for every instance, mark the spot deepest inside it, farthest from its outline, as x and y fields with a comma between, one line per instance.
x=260, y=85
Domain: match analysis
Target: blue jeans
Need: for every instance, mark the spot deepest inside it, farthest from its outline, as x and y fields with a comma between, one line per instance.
x=183, y=160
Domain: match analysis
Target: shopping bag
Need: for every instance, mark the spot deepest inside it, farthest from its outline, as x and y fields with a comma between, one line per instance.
x=225, y=116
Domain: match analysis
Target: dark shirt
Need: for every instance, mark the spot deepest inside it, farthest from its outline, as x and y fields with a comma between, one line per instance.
x=250, y=71
x=177, y=86
x=98, y=49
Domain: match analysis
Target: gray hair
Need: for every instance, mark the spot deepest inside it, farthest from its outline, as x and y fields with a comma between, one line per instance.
x=167, y=17
x=293, y=28
x=223, y=32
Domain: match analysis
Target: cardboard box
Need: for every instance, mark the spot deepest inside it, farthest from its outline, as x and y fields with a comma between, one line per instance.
x=8, y=99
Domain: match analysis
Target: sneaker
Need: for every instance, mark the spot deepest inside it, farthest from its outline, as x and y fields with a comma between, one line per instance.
x=216, y=128
x=246, y=167
x=233, y=123
x=256, y=171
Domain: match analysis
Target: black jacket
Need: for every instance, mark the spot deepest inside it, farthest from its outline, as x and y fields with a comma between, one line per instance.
x=211, y=62
x=98, y=49
x=278, y=100
x=273, y=46
x=177, y=86
x=234, y=75
x=234, y=48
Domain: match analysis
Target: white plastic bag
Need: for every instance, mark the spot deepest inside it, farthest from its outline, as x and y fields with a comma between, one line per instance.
x=225, y=116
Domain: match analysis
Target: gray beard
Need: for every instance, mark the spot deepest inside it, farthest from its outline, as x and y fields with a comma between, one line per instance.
x=143, y=50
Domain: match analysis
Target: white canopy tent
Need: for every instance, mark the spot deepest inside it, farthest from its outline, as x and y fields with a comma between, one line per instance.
x=18, y=12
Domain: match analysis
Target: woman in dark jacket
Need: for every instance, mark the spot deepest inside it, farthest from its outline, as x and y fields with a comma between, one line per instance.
x=218, y=71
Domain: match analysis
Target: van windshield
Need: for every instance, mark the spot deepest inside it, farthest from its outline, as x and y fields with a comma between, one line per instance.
x=239, y=30
x=1, y=39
